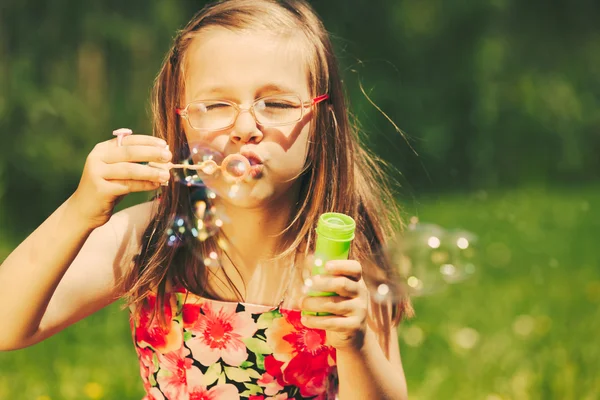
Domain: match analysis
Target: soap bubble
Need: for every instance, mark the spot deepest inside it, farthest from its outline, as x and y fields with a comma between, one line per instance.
x=461, y=246
x=200, y=221
x=185, y=233
x=425, y=259
x=208, y=176
x=236, y=166
x=310, y=267
x=207, y=218
x=179, y=231
x=204, y=166
x=199, y=155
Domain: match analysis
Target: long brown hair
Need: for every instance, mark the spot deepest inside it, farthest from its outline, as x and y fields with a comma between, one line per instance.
x=339, y=174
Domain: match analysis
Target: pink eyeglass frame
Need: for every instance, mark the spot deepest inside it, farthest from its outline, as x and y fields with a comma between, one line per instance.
x=183, y=112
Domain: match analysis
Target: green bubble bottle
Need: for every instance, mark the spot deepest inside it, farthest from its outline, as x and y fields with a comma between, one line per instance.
x=335, y=232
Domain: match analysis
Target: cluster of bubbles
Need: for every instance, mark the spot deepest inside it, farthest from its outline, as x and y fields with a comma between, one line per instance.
x=203, y=166
x=204, y=222
x=426, y=259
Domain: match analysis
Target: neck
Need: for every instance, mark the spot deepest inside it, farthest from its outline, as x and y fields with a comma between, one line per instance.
x=255, y=233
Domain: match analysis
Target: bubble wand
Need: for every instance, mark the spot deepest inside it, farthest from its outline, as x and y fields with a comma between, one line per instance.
x=234, y=166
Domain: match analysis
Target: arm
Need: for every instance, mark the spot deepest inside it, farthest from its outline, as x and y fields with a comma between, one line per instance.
x=66, y=272
x=364, y=371
x=367, y=374
x=68, y=267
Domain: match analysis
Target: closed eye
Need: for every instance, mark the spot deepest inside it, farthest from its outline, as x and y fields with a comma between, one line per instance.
x=281, y=105
x=216, y=106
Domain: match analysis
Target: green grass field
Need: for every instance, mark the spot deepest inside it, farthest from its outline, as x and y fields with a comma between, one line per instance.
x=525, y=327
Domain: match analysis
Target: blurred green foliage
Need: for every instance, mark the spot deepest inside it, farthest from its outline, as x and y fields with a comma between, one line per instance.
x=490, y=93
x=496, y=97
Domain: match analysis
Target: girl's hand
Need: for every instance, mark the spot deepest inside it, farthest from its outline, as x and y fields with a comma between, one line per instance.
x=111, y=172
x=347, y=327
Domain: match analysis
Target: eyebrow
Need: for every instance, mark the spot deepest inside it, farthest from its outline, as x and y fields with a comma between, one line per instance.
x=274, y=87
x=209, y=91
x=262, y=90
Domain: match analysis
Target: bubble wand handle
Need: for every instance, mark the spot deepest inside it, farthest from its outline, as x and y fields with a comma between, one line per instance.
x=335, y=232
x=209, y=167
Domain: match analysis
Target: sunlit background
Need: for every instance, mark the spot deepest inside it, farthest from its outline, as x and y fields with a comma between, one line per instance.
x=500, y=104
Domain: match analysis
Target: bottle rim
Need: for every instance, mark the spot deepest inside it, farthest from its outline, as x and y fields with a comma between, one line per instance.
x=336, y=226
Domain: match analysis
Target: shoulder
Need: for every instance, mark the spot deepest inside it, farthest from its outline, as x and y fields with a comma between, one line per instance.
x=128, y=227
x=133, y=220
x=138, y=215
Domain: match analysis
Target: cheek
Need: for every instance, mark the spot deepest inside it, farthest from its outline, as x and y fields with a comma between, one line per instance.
x=293, y=159
x=215, y=142
x=193, y=136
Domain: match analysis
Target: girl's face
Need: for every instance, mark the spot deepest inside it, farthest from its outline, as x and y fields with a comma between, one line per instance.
x=242, y=67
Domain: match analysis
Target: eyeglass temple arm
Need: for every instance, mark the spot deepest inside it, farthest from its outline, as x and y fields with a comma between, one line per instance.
x=319, y=99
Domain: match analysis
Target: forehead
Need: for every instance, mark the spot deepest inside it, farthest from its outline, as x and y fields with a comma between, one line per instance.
x=240, y=64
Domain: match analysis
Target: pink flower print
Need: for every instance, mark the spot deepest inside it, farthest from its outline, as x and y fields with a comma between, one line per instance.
x=147, y=366
x=154, y=394
x=300, y=355
x=308, y=372
x=281, y=396
x=219, y=332
x=304, y=339
x=146, y=358
x=149, y=331
x=220, y=392
x=176, y=369
x=270, y=384
x=307, y=340
x=190, y=313
x=282, y=349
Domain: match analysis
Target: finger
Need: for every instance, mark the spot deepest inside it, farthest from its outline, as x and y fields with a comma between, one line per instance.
x=137, y=153
x=341, y=285
x=135, y=172
x=122, y=187
x=134, y=140
x=331, y=322
x=332, y=304
x=140, y=140
x=350, y=268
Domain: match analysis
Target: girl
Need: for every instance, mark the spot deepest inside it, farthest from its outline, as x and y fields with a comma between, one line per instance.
x=255, y=78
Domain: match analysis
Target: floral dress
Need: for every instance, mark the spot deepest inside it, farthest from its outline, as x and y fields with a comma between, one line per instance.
x=217, y=350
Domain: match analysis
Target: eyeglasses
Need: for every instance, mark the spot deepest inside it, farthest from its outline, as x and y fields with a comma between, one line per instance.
x=277, y=110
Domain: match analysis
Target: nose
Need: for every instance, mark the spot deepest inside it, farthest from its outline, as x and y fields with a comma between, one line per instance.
x=246, y=129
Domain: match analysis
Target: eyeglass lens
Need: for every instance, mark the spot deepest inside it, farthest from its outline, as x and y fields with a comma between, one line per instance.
x=215, y=115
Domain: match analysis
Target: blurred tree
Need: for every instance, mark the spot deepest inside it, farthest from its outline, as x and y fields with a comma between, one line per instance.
x=490, y=93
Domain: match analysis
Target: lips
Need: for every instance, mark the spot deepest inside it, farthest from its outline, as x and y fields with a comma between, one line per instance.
x=252, y=157
x=256, y=164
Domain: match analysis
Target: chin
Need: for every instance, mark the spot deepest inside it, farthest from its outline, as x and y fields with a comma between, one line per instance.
x=248, y=196
x=245, y=202
x=259, y=195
